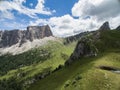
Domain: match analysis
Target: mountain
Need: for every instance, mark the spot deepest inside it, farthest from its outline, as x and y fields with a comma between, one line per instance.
x=87, y=46
x=105, y=26
x=89, y=61
x=9, y=38
x=94, y=64
x=37, y=32
x=18, y=41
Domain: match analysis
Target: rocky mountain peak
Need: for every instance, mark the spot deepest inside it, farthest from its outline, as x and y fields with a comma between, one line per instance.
x=105, y=26
x=37, y=32
x=9, y=38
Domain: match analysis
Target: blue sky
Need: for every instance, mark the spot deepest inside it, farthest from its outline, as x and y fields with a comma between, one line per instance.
x=60, y=8
x=65, y=17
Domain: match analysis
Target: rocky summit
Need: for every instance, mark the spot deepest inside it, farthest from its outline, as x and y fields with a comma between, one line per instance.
x=105, y=26
x=37, y=32
x=9, y=38
x=86, y=46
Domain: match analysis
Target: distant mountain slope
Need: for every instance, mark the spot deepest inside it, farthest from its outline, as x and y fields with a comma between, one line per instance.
x=32, y=65
x=16, y=49
x=18, y=41
x=9, y=38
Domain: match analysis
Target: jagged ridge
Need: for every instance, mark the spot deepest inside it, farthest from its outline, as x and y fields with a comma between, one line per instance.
x=9, y=38
x=96, y=41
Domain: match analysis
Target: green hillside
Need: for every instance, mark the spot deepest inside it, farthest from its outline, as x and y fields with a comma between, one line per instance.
x=83, y=75
x=86, y=74
x=43, y=68
x=26, y=66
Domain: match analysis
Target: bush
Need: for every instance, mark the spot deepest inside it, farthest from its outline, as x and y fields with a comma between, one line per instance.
x=64, y=56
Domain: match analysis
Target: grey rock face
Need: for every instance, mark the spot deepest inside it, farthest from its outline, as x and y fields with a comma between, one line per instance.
x=37, y=32
x=118, y=28
x=9, y=38
x=105, y=26
x=84, y=48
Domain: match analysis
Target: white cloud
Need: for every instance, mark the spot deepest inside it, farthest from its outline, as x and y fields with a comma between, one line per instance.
x=101, y=9
x=38, y=22
x=98, y=10
x=66, y=25
x=6, y=14
x=91, y=15
x=114, y=22
x=8, y=6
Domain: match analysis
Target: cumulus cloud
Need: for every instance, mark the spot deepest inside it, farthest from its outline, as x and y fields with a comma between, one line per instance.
x=8, y=6
x=99, y=10
x=66, y=25
x=91, y=14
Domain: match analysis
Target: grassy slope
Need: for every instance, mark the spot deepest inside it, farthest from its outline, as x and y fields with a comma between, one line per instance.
x=56, y=48
x=85, y=74
x=92, y=78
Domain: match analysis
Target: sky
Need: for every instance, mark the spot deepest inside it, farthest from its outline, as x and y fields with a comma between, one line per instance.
x=65, y=17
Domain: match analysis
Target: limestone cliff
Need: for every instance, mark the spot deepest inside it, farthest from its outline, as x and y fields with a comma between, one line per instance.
x=9, y=38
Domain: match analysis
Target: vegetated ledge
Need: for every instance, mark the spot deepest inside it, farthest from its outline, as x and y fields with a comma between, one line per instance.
x=110, y=68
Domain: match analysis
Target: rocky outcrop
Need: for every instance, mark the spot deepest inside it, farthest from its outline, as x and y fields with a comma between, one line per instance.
x=105, y=26
x=76, y=37
x=9, y=38
x=86, y=45
x=37, y=32
x=84, y=48
x=118, y=28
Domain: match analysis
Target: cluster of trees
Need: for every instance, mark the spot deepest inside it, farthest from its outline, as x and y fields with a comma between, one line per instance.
x=14, y=83
x=10, y=84
x=10, y=62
